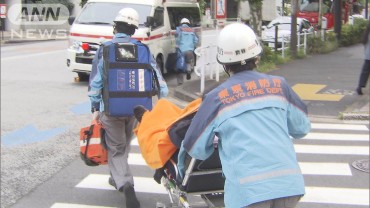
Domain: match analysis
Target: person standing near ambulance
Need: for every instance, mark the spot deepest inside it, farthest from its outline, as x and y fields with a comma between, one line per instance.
x=186, y=41
x=118, y=130
x=254, y=116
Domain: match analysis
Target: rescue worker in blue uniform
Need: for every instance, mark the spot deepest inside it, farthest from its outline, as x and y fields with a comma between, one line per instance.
x=186, y=41
x=254, y=116
x=119, y=130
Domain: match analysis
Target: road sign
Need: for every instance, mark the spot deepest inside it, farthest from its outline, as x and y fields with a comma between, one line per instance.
x=2, y=10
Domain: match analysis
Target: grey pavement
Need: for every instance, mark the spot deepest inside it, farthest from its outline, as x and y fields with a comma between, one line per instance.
x=339, y=71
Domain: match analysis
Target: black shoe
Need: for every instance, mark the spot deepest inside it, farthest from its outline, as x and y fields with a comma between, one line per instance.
x=131, y=200
x=188, y=75
x=359, y=91
x=139, y=112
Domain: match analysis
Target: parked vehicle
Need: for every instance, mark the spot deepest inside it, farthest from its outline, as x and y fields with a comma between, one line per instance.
x=157, y=26
x=283, y=26
x=309, y=10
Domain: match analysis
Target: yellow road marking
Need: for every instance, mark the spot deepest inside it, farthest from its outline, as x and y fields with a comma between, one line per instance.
x=309, y=92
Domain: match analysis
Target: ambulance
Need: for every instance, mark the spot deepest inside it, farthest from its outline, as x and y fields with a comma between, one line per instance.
x=157, y=26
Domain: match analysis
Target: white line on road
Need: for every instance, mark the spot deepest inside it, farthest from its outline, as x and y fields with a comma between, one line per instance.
x=341, y=137
x=136, y=159
x=30, y=55
x=100, y=181
x=331, y=150
x=338, y=126
x=336, y=196
x=311, y=168
x=66, y=205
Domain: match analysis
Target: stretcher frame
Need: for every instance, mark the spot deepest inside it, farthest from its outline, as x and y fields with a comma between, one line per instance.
x=179, y=198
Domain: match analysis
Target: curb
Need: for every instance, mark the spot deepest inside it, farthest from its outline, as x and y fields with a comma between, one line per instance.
x=183, y=95
x=361, y=116
x=359, y=110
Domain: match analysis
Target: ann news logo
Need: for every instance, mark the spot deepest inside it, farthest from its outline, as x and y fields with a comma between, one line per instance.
x=38, y=14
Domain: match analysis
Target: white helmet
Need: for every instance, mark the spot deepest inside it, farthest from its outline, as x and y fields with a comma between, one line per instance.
x=129, y=16
x=236, y=43
x=184, y=21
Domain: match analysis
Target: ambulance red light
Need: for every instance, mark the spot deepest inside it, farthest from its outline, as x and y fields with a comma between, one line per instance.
x=85, y=46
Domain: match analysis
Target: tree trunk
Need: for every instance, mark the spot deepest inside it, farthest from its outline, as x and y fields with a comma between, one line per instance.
x=256, y=15
x=293, y=34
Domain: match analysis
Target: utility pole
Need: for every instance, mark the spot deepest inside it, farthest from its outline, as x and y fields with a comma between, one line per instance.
x=320, y=15
x=337, y=17
x=366, y=9
x=293, y=29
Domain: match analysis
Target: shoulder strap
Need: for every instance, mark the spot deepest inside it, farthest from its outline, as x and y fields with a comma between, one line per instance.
x=88, y=137
x=155, y=77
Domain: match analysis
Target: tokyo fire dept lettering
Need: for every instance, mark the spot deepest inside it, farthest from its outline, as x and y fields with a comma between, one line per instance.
x=251, y=89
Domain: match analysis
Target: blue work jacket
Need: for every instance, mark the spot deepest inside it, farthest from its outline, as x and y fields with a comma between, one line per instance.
x=254, y=116
x=186, y=39
x=96, y=82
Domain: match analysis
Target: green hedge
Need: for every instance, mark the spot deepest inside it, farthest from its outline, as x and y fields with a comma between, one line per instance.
x=352, y=34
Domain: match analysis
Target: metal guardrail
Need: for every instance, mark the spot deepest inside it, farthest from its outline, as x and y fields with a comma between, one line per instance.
x=207, y=64
x=300, y=43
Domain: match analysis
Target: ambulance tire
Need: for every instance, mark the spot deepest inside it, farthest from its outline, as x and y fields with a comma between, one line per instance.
x=83, y=76
x=160, y=64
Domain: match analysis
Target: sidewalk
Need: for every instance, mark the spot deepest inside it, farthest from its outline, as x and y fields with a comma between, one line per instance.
x=338, y=71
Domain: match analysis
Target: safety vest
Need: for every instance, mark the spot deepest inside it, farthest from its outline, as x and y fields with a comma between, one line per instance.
x=129, y=78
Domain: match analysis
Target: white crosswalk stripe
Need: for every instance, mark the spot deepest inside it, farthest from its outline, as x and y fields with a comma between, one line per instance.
x=344, y=137
x=339, y=126
x=320, y=195
x=331, y=149
x=329, y=195
x=99, y=181
x=65, y=205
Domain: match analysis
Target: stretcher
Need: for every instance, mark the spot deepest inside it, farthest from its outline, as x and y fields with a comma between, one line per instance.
x=160, y=142
x=202, y=178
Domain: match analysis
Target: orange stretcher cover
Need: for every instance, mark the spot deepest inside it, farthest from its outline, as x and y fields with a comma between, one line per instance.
x=152, y=133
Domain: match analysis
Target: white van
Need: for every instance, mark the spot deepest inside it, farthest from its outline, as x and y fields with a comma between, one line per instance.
x=157, y=26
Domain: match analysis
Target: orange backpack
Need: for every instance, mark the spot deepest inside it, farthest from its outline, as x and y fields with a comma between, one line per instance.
x=92, y=145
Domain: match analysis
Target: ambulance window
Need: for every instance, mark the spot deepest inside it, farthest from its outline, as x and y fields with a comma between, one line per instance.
x=177, y=13
x=104, y=13
x=158, y=17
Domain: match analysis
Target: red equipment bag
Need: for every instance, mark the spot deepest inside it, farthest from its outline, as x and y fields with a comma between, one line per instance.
x=93, y=149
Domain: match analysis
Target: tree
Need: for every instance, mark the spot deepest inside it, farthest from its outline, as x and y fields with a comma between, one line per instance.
x=255, y=9
x=293, y=29
x=83, y=2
